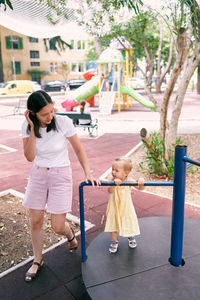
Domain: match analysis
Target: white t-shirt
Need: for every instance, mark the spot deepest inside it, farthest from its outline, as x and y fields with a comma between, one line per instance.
x=52, y=147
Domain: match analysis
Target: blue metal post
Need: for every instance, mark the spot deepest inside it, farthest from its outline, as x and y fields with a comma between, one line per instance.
x=82, y=222
x=178, y=207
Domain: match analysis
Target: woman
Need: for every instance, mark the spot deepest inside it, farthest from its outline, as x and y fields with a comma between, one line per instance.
x=45, y=139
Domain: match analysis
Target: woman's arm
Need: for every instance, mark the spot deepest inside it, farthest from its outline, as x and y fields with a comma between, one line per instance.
x=29, y=144
x=82, y=157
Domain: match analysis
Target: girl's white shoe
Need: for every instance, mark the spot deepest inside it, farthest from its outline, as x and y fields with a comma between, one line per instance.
x=132, y=242
x=113, y=246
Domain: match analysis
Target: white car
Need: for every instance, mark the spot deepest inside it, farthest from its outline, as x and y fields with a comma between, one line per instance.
x=36, y=86
x=135, y=83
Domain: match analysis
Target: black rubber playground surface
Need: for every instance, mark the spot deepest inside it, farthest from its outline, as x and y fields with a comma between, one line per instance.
x=144, y=272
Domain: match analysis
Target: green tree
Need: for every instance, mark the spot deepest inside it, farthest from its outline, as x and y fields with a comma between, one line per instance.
x=183, y=20
x=91, y=54
x=56, y=43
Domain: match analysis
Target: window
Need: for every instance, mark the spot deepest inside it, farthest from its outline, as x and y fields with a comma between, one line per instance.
x=53, y=67
x=34, y=54
x=35, y=64
x=17, y=67
x=81, y=67
x=78, y=45
x=78, y=67
x=33, y=40
x=14, y=42
x=13, y=86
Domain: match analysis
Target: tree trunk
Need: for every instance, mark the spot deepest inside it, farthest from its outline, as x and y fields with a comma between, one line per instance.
x=160, y=78
x=158, y=82
x=183, y=46
x=198, y=79
x=173, y=127
x=98, y=45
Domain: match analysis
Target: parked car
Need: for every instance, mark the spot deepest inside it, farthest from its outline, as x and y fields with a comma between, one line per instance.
x=135, y=83
x=55, y=86
x=36, y=86
x=153, y=83
x=16, y=87
x=75, y=83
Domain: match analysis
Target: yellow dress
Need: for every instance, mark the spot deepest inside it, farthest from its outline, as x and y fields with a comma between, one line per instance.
x=120, y=214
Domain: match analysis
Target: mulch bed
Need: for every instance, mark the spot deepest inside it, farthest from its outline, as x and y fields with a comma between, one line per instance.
x=15, y=242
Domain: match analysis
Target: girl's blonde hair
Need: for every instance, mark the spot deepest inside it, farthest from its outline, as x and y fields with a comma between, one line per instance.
x=127, y=162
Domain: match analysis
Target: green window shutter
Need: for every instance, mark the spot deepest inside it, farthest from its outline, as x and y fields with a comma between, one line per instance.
x=8, y=42
x=52, y=44
x=18, y=67
x=20, y=43
x=12, y=67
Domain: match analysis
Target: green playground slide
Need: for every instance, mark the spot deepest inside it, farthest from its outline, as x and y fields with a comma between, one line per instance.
x=139, y=98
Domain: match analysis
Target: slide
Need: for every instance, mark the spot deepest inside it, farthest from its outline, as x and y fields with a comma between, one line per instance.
x=84, y=92
x=139, y=98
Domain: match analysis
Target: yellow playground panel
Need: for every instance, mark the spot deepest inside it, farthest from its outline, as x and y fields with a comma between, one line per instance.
x=112, y=59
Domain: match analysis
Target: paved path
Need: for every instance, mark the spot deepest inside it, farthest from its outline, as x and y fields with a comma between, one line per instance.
x=61, y=277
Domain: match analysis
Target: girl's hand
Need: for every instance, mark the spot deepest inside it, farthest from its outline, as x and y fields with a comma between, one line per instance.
x=27, y=112
x=117, y=181
x=141, y=183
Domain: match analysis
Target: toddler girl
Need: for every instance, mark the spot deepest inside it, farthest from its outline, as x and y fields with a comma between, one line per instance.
x=120, y=215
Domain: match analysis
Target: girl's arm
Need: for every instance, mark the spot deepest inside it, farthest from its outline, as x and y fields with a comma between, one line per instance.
x=111, y=188
x=82, y=157
x=29, y=144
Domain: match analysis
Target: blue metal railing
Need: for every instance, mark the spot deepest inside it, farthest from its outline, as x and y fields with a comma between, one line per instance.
x=104, y=183
x=177, y=208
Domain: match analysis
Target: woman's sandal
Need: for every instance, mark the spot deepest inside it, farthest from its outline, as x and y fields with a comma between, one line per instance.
x=30, y=276
x=132, y=242
x=113, y=246
x=72, y=248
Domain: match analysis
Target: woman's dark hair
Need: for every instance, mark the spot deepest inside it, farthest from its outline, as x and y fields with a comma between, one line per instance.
x=36, y=101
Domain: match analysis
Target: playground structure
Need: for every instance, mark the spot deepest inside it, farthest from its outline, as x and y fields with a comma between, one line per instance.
x=146, y=273
x=111, y=60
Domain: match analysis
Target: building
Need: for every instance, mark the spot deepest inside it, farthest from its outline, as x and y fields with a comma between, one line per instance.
x=25, y=57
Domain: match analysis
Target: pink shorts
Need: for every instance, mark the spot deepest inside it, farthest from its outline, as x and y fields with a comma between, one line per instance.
x=51, y=187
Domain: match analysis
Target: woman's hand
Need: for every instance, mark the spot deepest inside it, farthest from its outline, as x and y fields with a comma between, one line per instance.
x=89, y=177
x=27, y=115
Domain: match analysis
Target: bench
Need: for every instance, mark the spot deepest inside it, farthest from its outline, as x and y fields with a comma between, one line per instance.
x=92, y=127
x=21, y=105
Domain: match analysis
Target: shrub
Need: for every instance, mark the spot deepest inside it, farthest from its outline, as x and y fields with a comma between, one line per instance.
x=155, y=163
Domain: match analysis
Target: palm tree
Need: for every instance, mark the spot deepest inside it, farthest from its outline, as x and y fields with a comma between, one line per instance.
x=56, y=43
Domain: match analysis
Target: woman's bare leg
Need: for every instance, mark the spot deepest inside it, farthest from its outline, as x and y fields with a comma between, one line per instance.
x=61, y=226
x=36, y=221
